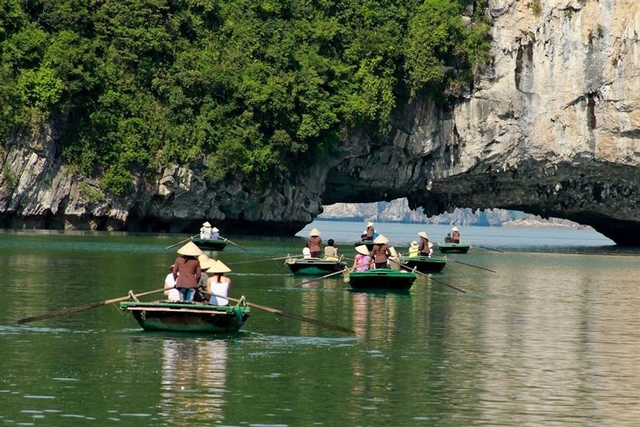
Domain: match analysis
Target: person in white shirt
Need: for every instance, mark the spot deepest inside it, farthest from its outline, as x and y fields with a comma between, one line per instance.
x=205, y=231
x=218, y=284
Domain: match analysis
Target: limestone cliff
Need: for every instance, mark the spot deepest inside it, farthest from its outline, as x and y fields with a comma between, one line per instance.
x=551, y=128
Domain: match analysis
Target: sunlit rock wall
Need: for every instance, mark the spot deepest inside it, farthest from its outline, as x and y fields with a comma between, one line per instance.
x=551, y=128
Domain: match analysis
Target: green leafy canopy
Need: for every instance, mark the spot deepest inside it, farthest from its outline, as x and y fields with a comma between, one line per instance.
x=252, y=87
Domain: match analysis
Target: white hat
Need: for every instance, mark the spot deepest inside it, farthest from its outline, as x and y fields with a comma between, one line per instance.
x=362, y=249
x=205, y=262
x=206, y=224
x=314, y=232
x=454, y=229
x=218, y=267
x=190, y=249
x=369, y=224
x=414, y=244
x=380, y=239
x=393, y=251
x=215, y=229
x=423, y=234
x=430, y=244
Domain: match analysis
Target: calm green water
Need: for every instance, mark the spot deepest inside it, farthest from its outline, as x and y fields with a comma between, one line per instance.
x=552, y=338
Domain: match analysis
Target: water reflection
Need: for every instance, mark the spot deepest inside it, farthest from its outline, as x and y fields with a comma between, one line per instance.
x=193, y=380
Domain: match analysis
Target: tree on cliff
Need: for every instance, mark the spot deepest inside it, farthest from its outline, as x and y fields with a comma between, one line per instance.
x=249, y=86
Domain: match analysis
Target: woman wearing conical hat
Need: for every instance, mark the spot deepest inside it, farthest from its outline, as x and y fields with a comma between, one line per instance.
x=423, y=246
x=370, y=233
x=455, y=236
x=218, y=284
x=314, y=243
x=205, y=230
x=186, y=271
x=380, y=252
x=362, y=261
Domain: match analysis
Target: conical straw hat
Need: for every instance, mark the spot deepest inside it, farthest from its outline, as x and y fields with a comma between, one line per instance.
x=314, y=232
x=362, y=249
x=218, y=267
x=380, y=239
x=205, y=262
x=190, y=249
x=206, y=224
x=423, y=234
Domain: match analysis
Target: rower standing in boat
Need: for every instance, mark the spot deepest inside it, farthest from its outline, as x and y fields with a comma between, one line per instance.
x=425, y=247
x=186, y=271
x=455, y=237
x=205, y=231
x=314, y=243
x=370, y=233
x=380, y=252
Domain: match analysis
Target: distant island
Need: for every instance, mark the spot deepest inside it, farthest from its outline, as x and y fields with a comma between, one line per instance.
x=398, y=211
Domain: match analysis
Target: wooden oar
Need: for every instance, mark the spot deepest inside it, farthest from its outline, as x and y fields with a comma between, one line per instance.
x=264, y=259
x=490, y=249
x=430, y=277
x=181, y=241
x=235, y=244
x=291, y=315
x=317, y=279
x=70, y=310
x=471, y=265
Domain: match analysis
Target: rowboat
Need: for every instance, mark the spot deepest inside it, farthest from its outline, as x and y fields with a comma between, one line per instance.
x=458, y=248
x=313, y=266
x=209, y=244
x=381, y=279
x=188, y=316
x=425, y=264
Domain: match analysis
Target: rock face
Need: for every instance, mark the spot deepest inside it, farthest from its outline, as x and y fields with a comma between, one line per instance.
x=552, y=128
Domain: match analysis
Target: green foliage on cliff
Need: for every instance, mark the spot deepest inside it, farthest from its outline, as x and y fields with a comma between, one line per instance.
x=244, y=86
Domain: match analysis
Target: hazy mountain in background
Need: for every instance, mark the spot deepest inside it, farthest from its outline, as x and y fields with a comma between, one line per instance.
x=398, y=211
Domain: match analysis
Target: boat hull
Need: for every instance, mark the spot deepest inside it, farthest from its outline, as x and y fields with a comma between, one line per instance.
x=210, y=244
x=314, y=267
x=381, y=279
x=455, y=248
x=425, y=264
x=187, y=317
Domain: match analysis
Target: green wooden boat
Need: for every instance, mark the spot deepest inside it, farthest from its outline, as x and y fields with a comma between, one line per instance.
x=313, y=266
x=188, y=316
x=425, y=264
x=209, y=244
x=381, y=279
x=457, y=248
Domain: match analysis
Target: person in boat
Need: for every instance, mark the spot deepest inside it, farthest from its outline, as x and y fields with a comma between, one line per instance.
x=394, y=259
x=330, y=251
x=215, y=233
x=205, y=264
x=413, y=249
x=218, y=285
x=448, y=239
x=424, y=247
x=205, y=230
x=380, y=252
x=306, y=253
x=170, y=286
x=362, y=261
x=455, y=236
x=314, y=243
x=186, y=271
x=370, y=233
